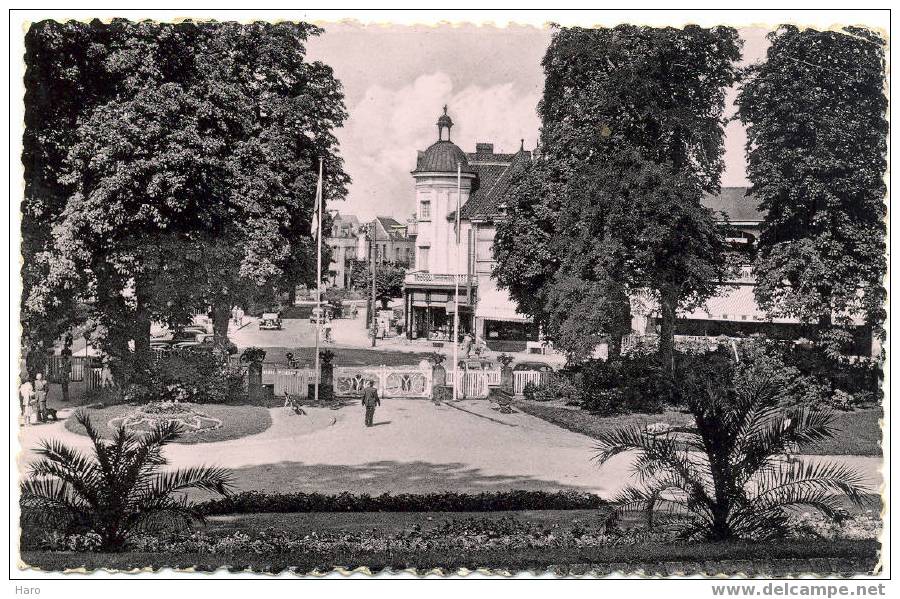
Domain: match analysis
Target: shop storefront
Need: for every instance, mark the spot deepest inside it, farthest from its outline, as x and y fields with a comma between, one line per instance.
x=429, y=312
x=500, y=326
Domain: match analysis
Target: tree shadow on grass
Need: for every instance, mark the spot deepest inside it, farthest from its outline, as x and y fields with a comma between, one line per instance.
x=383, y=477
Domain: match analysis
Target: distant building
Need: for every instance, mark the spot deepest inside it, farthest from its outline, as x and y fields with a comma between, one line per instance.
x=343, y=241
x=733, y=311
x=490, y=314
x=395, y=242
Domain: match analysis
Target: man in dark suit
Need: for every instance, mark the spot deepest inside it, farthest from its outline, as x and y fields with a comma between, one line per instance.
x=370, y=400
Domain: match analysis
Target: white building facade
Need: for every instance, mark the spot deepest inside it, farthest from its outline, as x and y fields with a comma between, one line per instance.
x=446, y=177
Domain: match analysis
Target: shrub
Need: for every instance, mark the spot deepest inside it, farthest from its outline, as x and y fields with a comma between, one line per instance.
x=634, y=383
x=556, y=385
x=255, y=502
x=815, y=376
x=197, y=375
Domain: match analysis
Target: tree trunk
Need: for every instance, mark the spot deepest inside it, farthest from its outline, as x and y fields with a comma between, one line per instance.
x=668, y=302
x=143, y=358
x=221, y=316
x=292, y=295
x=614, y=347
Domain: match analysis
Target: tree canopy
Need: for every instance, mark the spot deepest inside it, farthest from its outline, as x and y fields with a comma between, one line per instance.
x=631, y=139
x=814, y=110
x=388, y=280
x=187, y=180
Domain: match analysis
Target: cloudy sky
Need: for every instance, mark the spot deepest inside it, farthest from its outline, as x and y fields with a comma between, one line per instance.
x=397, y=78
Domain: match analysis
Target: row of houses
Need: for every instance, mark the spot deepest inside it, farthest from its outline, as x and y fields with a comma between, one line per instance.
x=350, y=241
x=442, y=267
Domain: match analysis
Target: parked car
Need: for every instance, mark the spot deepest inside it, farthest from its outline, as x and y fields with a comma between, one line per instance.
x=204, y=341
x=270, y=321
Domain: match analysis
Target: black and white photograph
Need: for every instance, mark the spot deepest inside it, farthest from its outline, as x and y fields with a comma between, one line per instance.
x=445, y=294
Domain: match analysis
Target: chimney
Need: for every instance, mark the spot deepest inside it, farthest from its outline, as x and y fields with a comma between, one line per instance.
x=484, y=148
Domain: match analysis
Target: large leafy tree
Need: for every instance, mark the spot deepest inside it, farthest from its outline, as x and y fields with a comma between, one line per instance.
x=388, y=280
x=65, y=79
x=631, y=138
x=193, y=186
x=816, y=143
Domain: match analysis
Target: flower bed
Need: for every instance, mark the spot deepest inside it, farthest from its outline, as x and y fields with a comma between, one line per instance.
x=201, y=423
x=455, y=536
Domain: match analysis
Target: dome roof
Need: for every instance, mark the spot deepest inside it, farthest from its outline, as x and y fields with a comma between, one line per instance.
x=442, y=157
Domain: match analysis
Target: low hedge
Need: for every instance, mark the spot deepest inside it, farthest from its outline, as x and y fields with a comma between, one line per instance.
x=255, y=502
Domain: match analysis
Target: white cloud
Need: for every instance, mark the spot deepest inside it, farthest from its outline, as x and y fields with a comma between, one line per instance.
x=387, y=127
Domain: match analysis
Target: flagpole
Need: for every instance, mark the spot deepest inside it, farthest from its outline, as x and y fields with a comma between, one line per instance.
x=456, y=376
x=318, y=274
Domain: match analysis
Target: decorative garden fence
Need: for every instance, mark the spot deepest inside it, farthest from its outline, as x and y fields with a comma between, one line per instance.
x=390, y=381
x=80, y=365
x=412, y=382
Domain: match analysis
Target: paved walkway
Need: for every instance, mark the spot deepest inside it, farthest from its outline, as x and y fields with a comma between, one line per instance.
x=414, y=447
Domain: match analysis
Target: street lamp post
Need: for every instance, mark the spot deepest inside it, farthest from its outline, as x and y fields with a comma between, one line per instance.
x=370, y=233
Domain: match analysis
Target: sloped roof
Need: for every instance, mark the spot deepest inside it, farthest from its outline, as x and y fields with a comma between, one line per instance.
x=393, y=228
x=346, y=218
x=492, y=184
x=736, y=204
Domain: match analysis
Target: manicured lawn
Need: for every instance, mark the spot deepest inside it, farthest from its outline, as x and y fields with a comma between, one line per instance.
x=581, y=421
x=772, y=558
x=857, y=432
x=237, y=422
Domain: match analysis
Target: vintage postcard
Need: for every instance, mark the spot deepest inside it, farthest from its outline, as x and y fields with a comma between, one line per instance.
x=568, y=295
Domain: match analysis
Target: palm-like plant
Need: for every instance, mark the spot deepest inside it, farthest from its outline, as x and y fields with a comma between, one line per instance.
x=121, y=489
x=727, y=476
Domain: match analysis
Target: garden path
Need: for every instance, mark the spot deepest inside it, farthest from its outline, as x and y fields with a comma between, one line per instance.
x=415, y=446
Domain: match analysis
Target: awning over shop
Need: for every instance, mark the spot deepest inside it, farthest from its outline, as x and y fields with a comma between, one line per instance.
x=494, y=304
x=734, y=303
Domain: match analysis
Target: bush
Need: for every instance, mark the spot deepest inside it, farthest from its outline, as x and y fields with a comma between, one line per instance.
x=633, y=383
x=250, y=502
x=814, y=377
x=197, y=375
x=557, y=385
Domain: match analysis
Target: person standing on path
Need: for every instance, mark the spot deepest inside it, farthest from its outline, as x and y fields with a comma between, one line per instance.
x=40, y=396
x=326, y=327
x=26, y=396
x=370, y=400
x=65, y=367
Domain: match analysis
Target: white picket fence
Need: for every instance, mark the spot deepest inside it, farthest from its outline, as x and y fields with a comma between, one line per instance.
x=292, y=381
x=475, y=383
x=523, y=377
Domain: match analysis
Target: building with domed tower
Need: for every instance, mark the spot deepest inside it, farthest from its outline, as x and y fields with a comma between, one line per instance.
x=481, y=179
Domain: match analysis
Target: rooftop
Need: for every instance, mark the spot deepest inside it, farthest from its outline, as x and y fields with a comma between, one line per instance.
x=442, y=157
x=735, y=204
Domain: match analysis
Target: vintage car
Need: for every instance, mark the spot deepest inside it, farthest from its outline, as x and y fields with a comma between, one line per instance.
x=270, y=321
